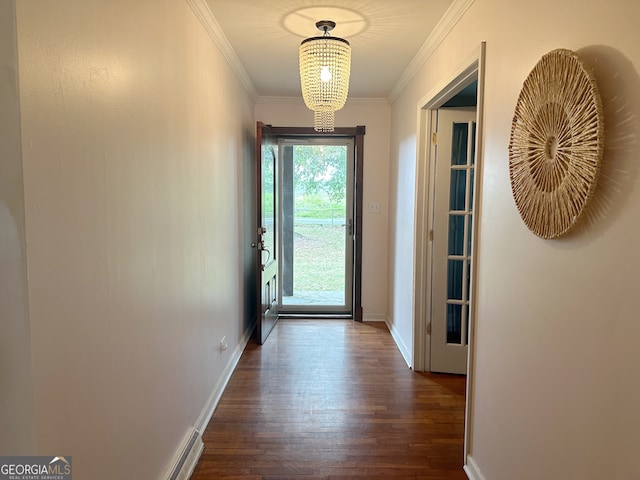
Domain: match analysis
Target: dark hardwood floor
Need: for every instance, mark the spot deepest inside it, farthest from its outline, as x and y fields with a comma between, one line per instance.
x=334, y=399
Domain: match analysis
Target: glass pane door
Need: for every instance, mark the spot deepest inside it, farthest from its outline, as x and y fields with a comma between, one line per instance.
x=317, y=236
x=452, y=240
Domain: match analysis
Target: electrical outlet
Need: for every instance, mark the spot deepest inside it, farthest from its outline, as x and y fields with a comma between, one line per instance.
x=374, y=207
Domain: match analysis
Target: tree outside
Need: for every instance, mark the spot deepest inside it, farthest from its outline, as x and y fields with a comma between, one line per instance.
x=320, y=176
x=320, y=180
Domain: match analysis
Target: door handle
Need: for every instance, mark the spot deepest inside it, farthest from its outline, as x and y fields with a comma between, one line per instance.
x=260, y=243
x=350, y=225
x=260, y=246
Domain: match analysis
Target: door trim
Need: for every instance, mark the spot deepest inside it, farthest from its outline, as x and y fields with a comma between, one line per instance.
x=357, y=133
x=472, y=68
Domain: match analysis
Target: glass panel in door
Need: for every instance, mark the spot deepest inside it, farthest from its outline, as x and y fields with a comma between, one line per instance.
x=317, y=247
x=460, y=208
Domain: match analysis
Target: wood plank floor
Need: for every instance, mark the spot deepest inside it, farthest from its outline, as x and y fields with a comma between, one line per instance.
x=334, y=399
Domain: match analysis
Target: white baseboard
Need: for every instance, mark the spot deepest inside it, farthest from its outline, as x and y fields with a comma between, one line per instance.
x=191, y=447
x=218, y=389
x=406, y=353
x=472, y=470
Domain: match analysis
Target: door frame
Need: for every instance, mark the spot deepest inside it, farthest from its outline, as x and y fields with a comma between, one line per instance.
x=471, y=69
x=357, y=134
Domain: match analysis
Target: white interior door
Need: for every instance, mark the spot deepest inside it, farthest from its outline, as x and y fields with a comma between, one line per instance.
x=452, y=240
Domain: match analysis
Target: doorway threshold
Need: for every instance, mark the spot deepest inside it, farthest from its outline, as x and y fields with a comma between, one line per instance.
x=312, y=315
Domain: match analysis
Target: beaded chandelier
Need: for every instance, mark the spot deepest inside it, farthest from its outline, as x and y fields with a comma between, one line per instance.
x=324, y=75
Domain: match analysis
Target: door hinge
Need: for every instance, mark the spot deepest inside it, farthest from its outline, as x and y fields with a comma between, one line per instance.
x=431, y=235
x=434, y=138
x=429, y=328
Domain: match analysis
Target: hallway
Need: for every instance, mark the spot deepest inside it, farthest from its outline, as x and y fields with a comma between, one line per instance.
x=334, y=399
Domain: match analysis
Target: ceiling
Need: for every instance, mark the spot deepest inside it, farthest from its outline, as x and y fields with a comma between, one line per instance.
x=385, y=37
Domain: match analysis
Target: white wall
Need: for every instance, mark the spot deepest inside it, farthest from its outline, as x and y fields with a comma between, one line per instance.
x=556, y=386
x=136, y=137
x=15, y=349
x=374, y=114
x=402, y=194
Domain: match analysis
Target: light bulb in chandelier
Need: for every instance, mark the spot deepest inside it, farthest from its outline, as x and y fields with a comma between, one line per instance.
x=325, y=64
x=325, y=74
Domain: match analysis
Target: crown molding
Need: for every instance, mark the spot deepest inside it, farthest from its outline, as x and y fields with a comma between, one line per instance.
x=442, y=29
x=352, y=100
x=272, y=99
x=211, y=25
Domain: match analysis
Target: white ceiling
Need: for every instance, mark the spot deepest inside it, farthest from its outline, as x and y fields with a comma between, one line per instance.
x=385, y=37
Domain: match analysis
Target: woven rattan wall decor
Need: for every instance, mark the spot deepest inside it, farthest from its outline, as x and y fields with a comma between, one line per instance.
x=556, y=144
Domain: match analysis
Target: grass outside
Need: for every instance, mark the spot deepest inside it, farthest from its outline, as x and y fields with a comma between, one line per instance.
x=317, y=206
x=319, y=257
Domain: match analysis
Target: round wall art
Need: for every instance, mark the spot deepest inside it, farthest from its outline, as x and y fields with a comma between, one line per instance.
x=556, y=144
